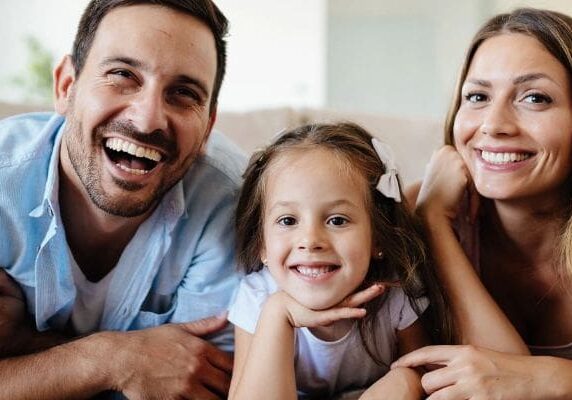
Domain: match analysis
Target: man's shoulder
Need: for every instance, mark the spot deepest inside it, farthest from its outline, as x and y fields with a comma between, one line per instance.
x=225, y=157
x=21, y=136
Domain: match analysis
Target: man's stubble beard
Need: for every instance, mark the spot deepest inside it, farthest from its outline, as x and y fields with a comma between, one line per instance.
x=89, y=173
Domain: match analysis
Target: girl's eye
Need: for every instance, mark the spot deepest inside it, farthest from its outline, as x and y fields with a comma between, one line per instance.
x=537, y=98
x=476, y=97
x=287, y=221
x=337, y=221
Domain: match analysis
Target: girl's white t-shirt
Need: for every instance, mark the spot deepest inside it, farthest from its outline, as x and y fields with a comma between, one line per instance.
x=326, y=368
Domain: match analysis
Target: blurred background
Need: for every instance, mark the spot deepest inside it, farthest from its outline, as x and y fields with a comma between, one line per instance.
x=376, y=56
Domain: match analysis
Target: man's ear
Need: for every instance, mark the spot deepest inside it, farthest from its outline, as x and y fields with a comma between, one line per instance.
x=64, y=78
x=212, y=120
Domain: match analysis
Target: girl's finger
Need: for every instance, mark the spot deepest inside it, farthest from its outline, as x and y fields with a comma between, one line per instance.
x=327, y=317
x=363, y=296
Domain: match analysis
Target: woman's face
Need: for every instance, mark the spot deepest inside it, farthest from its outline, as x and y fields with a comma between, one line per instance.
x=514, y=124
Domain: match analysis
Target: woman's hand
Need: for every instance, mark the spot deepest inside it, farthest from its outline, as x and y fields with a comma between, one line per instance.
x=446, y=181
x=469, y=372
x=300, y=316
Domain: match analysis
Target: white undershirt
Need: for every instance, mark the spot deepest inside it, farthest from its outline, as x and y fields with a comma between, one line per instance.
x=89, y=302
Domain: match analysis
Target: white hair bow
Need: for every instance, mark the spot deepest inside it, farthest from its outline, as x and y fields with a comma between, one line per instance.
x=388, y=184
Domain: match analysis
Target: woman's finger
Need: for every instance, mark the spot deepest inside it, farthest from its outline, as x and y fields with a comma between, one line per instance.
x=427, y=355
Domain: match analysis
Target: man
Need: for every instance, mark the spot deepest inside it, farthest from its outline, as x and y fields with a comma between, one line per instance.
x=117, y=217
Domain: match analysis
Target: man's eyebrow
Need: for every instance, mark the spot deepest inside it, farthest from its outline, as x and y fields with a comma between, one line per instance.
x=123, y=60
x=181, y=79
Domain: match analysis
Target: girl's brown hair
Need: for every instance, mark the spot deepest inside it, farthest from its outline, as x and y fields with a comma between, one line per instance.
x=396, y=232
x=554, y=31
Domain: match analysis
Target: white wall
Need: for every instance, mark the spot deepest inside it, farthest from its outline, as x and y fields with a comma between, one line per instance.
x=53, y=22
x=276, y=53
x=381, y=56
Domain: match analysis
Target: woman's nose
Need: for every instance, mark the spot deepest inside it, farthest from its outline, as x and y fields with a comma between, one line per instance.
x=499, y=119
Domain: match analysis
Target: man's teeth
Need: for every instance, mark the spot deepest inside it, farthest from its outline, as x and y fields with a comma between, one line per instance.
x=118, y=144
x=314, y=271
x=132, y=170
x=503, y=158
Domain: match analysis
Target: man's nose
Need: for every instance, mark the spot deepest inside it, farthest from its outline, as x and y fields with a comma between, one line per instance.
x=148, y=111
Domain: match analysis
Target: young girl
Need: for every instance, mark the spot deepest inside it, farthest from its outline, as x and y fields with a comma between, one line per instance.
x=336, y=270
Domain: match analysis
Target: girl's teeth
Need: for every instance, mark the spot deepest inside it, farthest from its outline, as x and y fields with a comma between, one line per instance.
x=504, y=158
x=314, y=271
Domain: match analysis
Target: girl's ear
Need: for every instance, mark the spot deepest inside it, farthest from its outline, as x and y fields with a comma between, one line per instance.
x=64, y=77
x=263, y=256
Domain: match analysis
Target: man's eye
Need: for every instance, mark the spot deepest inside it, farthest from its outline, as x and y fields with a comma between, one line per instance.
x=121, y=73
x=337, y=221
x=287, y=221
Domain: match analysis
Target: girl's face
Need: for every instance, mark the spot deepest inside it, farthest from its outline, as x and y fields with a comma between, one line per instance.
x=514, y=124
x=317, y=231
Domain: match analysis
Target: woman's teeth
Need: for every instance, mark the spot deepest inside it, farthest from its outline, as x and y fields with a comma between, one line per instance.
x=504, y=158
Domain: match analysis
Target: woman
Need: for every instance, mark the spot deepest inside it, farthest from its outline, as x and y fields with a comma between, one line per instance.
x=495, y=201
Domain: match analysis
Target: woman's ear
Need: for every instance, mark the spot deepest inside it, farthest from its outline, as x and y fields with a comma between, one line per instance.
x=64, y=78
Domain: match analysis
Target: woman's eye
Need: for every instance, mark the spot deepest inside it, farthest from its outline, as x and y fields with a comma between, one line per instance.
x=476, y=97
x=287, y=221
x=537, y=98
x=337, y=221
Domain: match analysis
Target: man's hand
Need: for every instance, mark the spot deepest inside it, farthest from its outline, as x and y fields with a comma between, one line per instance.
x=170, y=362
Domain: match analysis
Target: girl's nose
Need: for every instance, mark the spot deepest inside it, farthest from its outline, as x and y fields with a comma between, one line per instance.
x=312, y=239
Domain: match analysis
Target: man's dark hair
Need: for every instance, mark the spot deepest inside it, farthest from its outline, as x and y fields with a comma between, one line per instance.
x=204, y=10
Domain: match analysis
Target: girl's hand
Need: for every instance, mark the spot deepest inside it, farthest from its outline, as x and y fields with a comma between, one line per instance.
x=470, y=372
x=300, y=316
x=398, y=384
x=445, y=182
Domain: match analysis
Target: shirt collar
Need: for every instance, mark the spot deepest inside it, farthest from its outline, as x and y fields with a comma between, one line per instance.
x=50, y=198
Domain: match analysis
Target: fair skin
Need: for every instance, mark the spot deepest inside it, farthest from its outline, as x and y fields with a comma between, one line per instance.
x=513, y=136
x=147, y=81
x=317, y=245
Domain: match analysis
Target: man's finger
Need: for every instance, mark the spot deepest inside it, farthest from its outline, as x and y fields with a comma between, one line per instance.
x=216, y=379
x=8, y=287
x=426, y=355
x=220, y=359
x=206, y=326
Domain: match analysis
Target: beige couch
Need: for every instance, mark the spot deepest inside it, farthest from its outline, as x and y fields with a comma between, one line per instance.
x=413, y=140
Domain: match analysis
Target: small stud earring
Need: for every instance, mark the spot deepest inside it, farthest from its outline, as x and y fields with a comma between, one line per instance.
x=380, y=254
x=265, y=261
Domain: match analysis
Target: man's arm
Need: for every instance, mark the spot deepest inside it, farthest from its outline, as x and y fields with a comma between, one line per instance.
x=171, y=360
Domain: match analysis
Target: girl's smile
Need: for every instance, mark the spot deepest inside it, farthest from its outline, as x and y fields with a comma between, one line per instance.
x=317, y=231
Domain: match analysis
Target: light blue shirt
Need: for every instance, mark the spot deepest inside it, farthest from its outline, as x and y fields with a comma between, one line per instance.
x=178, y=267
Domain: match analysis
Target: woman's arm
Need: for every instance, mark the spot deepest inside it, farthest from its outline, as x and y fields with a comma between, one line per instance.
x=478, y=318
x=469, y=372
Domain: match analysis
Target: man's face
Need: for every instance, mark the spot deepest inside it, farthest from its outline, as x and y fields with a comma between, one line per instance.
x=138, y=114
